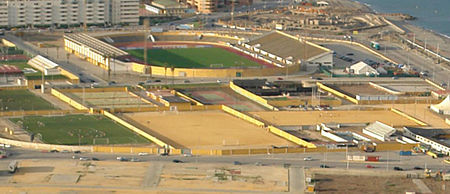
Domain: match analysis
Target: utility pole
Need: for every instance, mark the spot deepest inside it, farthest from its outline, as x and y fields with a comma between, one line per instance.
x=232, y=12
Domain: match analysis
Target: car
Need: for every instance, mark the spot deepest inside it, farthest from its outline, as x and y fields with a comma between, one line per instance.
x=164, y=154
x=141, y=83
x=237, y=163
x=369, y=166
x=279, y=78
x=158, y=80
x=307, y=159
x=350, y=54
x=112, y=83
x=396, y=168
x=77, y=152
x=142, y=153
x=219, y=81
x=324, y=166
x=177, y=161
x=148, y=81
x=54, y=151
x=120, y=158
x=418, y=168
x=84, y=158
x=74, y=157
x=7, y=146
x=444, y=84
x=187, y=155
x=395, y=78
x=187, y=81
x=135, y=160
x=95, y=159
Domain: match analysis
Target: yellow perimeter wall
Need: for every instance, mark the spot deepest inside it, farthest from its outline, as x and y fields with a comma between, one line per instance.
x=136, y=130
x=290, y=137
x=68, y=100
x=187, y=97
x=408, y=117
x=336, y=93
x=8, y=43
x=251, y=96
x=73, y=78
x=242, y=116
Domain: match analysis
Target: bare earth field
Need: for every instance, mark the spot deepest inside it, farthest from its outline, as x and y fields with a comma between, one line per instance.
x=315, y=117
x=356, y=184
x=224, y=176
x=206, y=129
x=423, y=113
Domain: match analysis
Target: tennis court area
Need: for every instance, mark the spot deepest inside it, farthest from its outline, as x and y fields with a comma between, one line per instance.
x=114, y=99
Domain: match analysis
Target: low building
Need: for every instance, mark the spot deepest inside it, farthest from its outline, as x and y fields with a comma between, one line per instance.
x=438, y=139
x=9, y=73
x=443, y=107
x=379, y=131
x=362, y=68
x=167, y=7
x=44, y=65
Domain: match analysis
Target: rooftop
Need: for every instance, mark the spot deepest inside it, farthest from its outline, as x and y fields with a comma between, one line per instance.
x=9, y=69
x=438, y=135
x=98, y=46
x=167, y=3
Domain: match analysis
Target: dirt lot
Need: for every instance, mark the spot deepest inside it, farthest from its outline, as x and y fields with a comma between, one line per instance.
x=224, y=176
x=423, y=113
x=360, y=89
x=315, y=117
x=206, y=129
x=357, y=184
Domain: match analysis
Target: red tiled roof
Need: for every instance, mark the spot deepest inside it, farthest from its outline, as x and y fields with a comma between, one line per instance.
x=9, y=69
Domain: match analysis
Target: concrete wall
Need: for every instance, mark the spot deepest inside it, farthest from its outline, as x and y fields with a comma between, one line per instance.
x=251, y=96
x=68, y=100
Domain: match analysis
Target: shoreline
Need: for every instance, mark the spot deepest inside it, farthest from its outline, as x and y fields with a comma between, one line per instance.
x=421, y=32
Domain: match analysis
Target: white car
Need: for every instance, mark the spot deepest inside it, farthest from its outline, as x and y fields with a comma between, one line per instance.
x=142, y=153
x=307, y=159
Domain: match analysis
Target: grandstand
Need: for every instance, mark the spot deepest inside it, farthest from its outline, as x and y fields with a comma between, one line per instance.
x=44, y=65
x=288, y=49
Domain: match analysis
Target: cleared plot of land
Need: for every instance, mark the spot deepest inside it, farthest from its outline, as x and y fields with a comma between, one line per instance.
x=206, y=129
x=363, y=184
x=316, y=117
x=221, y=95
x=226, y=177
x=194, y=57
x=409, y=86
x=110, y=99
x=423, y=113
x=11, y=100
x=360, y=89
x=78, y=129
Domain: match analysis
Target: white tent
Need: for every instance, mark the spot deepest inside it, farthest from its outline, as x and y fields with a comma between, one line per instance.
x=362, y=68
x=443, y=107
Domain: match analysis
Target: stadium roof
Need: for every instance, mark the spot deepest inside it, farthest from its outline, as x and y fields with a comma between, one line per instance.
x=96, y=45
x=285, y=45
x=9, y=69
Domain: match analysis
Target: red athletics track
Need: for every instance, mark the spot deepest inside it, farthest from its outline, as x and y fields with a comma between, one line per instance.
x=150, y=46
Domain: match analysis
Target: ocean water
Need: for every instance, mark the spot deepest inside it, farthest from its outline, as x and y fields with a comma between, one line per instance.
x=431, y=14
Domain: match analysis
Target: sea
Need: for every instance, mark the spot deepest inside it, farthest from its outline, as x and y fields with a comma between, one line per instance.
x=431, y=14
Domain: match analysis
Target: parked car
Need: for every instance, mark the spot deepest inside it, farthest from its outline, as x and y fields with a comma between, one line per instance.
x=324, y=166
x=77, y=152
x=396, y=168
x=307, y=159
x=84, y=158
x=369, y=166
x=177, y=161
x=418, y=168
x=164, y=154
x=237, y=163
x=135, y=160
x=142, y=153
x=95, y=159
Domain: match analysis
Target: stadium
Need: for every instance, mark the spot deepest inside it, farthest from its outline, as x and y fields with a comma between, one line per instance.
x=199, y=54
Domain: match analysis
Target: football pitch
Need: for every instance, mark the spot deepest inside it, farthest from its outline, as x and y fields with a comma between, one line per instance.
x=211, y=57
x=78, y=129
x=12, y=100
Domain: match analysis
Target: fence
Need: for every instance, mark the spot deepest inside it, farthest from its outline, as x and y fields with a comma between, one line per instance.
x=40, y=112
x=251, y=96
x=68, y=100
x=408, y=117
x=336, y=93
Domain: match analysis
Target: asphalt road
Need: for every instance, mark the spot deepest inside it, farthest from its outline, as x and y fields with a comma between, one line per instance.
x=332, y=159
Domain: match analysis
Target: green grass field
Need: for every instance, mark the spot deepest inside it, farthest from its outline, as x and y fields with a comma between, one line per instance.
x=11, y=100
x=67, y=130
x=194, y=57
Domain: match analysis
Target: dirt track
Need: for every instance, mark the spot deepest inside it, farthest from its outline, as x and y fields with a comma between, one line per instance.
x=315, y=117
x=207, y=129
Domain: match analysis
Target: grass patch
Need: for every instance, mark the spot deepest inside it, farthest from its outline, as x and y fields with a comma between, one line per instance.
x=11, y=100
x=194, y=58
x=66, y=130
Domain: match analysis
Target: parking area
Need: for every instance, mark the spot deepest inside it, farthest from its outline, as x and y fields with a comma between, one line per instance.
x=346, y=55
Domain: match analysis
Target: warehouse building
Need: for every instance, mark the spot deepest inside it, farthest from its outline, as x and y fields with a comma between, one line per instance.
x=379, y=131
x=438, y=139
x=61, y=13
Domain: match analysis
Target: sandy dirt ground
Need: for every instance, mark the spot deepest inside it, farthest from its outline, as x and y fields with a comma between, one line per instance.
x=315, y=117
x=207, y=129
x=37, y=176
x=356, y=184
x=423, y=113
x=225, y=176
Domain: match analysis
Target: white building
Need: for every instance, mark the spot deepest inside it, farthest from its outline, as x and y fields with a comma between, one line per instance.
x=44, y=65
x=362, y=68
x=15, y=13
x=436, y=138
x=379, y=131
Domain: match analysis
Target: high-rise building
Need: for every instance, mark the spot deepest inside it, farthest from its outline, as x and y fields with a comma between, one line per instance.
x=15, y=13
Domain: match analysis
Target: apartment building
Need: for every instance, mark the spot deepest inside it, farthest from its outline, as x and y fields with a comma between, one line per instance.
x=208, y=6
x=67, y=12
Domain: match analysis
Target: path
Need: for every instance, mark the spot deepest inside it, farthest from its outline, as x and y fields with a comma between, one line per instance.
x=151, y=178
x=423, y=188
x=296, y=180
